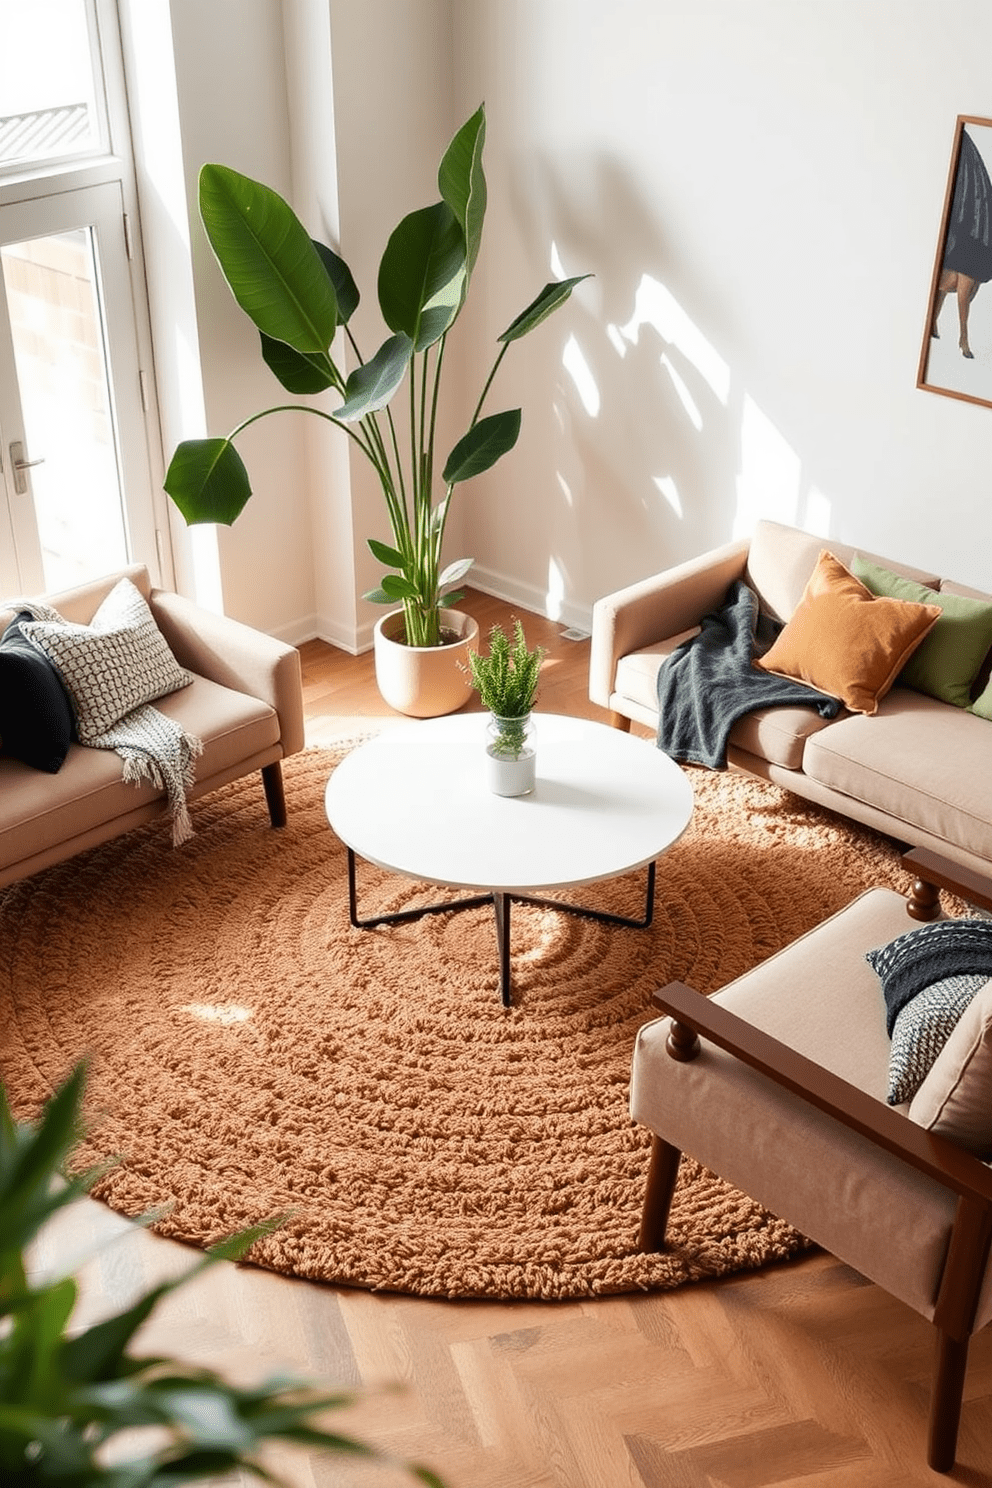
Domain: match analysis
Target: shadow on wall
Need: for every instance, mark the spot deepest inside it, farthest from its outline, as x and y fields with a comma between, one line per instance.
x=664, y=453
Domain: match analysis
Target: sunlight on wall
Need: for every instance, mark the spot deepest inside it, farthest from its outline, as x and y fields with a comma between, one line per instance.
x=656, y=306
x=818, y=513
x=684, y=395
x=578, y=369
x=768, y=483
x=555, y=597
x=670, y=491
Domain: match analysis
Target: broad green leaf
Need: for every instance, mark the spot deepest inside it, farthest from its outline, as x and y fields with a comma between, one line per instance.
x=276, y=274
x=392, y=557
x=462, y=183
x=345, y=288
x=395, y=586
x=484, y=444
x=208, y=481
x=371, y=386
x=299, y=372
x=551, y=296
x=379, y=596
x=423, y=257
x=455, y=571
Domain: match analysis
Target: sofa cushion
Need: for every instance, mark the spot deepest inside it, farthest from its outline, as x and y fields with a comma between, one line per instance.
x=35, y=713
x=948, y=659
x=637, y=673
x=917, y=761
x=781, y=559
x=845, y=640
x=955, y=1099
x=113, y=665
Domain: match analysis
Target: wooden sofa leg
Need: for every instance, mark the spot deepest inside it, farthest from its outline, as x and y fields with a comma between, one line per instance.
x=663, y=1172
x=275, y=795
x=618, y=721
x=945, y=1408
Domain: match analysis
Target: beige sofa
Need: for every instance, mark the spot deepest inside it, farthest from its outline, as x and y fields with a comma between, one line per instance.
x=918, y=769
x=245, y=703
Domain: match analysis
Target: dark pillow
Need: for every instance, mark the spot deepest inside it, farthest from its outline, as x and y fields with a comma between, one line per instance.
x=36, y=720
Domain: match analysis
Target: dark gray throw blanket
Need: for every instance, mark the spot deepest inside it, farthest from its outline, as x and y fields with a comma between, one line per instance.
x=708, y=682
x=931, y=953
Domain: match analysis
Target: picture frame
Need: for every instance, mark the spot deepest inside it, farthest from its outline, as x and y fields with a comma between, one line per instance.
x=956, y=356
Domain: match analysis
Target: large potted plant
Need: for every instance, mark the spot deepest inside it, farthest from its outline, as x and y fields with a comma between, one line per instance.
x=300, y=295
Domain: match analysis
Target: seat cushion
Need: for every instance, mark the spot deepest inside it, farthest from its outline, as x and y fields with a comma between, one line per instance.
x=918, y=761
x=37, y=812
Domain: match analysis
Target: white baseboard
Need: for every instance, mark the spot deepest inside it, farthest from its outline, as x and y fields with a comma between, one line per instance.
x=316, y=627
x=530, y=597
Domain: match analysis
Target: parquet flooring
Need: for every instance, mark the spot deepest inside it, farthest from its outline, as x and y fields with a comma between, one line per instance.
x=802, y=1375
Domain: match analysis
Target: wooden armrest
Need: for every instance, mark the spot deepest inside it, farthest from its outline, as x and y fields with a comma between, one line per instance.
x=935, y=1156
x=934, y=871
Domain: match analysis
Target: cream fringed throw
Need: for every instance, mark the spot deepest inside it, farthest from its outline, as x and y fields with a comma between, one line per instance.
x=112, y=669
x=252, y=1054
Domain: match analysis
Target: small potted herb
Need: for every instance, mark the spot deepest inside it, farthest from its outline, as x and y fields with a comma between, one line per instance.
x=506, y=681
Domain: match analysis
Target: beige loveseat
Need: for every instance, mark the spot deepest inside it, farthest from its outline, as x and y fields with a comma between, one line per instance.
x=918, y=769
x=245, y=703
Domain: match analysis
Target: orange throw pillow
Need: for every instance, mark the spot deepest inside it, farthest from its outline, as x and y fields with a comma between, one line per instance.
x=846, y=641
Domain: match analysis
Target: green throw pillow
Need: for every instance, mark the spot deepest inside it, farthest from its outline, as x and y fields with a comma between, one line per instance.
x=948, y=660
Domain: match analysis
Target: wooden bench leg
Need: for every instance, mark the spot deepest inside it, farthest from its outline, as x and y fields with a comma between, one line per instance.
x=275, y=795
x=663, y=1172
x=945, y=1408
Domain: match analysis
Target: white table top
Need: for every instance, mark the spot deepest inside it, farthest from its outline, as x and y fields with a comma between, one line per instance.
x=414, y=799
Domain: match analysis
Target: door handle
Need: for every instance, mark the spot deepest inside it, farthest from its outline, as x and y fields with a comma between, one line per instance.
x=19, y=463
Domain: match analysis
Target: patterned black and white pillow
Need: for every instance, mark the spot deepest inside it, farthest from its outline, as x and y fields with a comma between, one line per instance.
x=921, y=1030
x=113, y=665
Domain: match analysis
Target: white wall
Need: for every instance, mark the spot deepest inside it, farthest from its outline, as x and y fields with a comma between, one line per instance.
x=757, y=189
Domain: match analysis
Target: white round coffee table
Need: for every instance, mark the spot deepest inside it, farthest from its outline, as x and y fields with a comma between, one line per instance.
x=415, y=800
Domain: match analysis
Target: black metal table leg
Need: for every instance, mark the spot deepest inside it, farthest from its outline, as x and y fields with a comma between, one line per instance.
x=501, y=909
x=399, y=917
x=500, y=901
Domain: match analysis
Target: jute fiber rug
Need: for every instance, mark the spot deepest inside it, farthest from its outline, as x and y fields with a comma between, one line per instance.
x=251, y=1054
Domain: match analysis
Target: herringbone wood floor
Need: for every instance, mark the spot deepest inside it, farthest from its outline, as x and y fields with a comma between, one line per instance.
x=802, y=1375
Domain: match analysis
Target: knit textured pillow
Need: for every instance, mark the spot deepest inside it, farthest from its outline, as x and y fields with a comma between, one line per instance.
x=922, y=1029
x=846, y=641
x=929, y=976
x=113, y=665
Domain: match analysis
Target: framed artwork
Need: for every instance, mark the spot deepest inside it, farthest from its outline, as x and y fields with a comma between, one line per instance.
x=956, y=358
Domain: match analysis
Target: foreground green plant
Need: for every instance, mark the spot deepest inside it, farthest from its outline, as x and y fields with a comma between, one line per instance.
x=65, y=1397
x=298, y=293
x=506, y=681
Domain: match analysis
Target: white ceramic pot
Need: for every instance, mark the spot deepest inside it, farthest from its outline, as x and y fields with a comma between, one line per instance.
x=424, y=681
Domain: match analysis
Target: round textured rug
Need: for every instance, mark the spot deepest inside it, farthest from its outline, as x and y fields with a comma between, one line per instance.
x=251, y=1054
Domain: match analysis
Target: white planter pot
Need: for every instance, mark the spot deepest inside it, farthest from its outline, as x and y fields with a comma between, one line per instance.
x=424, y=681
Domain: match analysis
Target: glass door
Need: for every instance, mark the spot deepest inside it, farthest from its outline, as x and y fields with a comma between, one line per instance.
x=75, y=470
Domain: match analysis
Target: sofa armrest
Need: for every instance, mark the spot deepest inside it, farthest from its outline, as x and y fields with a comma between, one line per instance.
x=656, y=608
x=938, y=1158
x=236, y=656
x=933, y=873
